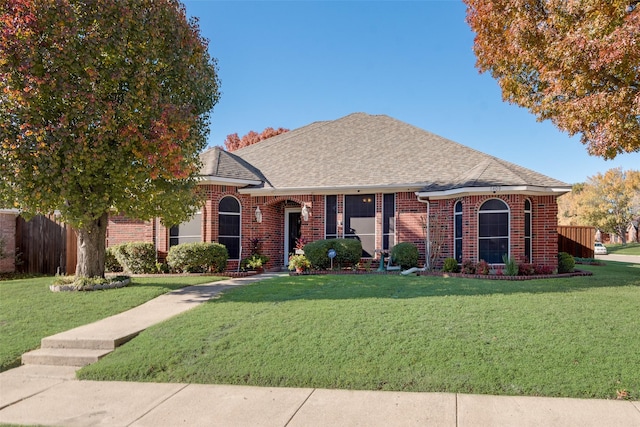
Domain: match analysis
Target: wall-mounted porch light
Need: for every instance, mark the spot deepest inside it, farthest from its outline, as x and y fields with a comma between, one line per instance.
x=305, y=212
x=258, y=214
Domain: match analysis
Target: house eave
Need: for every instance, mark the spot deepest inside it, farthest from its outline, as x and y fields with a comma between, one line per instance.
x=216, y=180
x=356, y=189
x=530, y=190
x=15, y=212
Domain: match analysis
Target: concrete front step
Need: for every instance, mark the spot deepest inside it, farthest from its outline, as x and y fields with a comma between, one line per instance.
x=63, y=356
x=60, y=341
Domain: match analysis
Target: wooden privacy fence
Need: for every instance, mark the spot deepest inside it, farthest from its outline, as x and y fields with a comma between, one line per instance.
x=46, y=246
x=576, y=240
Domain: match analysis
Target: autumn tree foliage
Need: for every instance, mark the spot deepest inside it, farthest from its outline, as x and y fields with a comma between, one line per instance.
x=609, y=202
x=574, y=62
x=104, y=106
x=569, y=206
x=234, y=142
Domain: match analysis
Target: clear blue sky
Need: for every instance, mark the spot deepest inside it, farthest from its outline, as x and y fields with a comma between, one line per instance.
x=291, y=63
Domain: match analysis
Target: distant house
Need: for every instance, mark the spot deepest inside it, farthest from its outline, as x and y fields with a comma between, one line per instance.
x=367, y=177
x=632, y=232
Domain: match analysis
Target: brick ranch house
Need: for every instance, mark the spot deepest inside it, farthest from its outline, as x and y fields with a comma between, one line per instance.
x=369, y=177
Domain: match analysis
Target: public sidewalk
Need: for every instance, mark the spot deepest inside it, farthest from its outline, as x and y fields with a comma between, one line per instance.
x=50, y=395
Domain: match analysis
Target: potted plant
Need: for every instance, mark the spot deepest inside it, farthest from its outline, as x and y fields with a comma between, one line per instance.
x=299, y=263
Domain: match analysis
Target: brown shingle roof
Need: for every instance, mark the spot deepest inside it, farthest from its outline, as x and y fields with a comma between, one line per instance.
x=222, y=164
x=379, y=151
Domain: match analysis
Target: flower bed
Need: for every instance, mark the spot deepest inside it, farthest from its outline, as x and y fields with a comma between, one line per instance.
x=63, y=285
x=503, y=277
x=576, y=273
x=340, y=272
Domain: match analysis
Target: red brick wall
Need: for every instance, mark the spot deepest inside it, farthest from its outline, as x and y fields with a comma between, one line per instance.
x=8, y=234
x=124, y=230
x=410, y=216
x=544, y=226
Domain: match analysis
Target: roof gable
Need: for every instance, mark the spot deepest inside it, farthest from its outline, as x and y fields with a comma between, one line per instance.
x=217, y=163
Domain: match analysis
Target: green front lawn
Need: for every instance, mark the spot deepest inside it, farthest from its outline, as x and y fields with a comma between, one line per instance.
x=628, y=249
x=576, y=337
x=29, y=311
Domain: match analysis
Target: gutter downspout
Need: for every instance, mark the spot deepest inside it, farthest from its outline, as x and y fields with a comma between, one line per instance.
x=427, y=260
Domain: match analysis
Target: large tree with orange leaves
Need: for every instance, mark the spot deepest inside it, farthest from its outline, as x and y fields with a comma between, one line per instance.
x=104, y=105
x=234, y=142
x=574, y=62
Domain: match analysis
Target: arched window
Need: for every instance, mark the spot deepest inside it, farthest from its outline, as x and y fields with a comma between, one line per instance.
x=493, y=231
x=527, y=230
x=229, y=225
x=457, y=231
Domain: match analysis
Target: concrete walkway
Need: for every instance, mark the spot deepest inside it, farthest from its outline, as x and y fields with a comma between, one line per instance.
x=50, y=395
x=634, y=259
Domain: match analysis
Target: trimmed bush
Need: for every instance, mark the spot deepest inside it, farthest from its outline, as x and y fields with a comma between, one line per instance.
x=406, y=254
x=111, y=263
x=566, y=263
x=348, y=252
x=450, y=265
x=136, y=257
x=198, y=257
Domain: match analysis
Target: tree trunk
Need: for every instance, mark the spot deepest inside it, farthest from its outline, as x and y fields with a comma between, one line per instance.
x=622, y=233
x=92, y=247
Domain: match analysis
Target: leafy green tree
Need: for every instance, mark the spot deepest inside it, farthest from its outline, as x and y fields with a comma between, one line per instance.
x=611, y=201
x=104, y=106
x=572, y=62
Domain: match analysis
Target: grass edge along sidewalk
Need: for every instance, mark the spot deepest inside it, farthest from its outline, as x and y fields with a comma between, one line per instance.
x=29, y=311
x=571, y=337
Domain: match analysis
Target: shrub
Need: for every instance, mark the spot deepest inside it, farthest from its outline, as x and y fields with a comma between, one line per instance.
x=255, y=246
x=254, y=262
x=406, y=254
x=482, y=267
x=451, y=265
x=162, y=267
x=348, y=252
x=111, y=263
x=299, y=262
x=198, y=257
x=525, y=268
x=136, y=257
x=543, y=269
x=566, y=263
x=510, y=266
x=469, y=267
